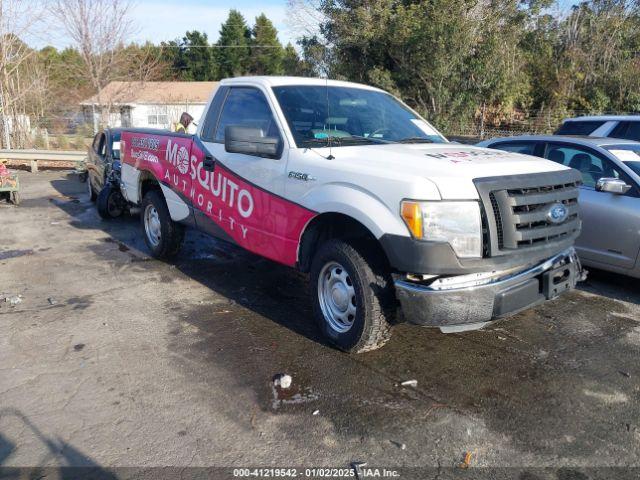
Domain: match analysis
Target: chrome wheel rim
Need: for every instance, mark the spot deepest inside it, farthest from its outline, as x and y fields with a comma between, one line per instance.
x=337, y=297
x=152, y=225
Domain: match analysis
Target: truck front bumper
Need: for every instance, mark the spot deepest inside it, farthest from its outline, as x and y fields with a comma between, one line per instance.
x=468, y=302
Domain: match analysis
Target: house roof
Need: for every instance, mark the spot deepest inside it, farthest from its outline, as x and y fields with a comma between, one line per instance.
x=127, y=93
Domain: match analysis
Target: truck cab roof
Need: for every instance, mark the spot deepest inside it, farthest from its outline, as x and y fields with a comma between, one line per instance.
x=273, y=81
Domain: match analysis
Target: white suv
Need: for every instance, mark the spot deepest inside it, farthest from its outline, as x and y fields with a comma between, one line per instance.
x=615, y=126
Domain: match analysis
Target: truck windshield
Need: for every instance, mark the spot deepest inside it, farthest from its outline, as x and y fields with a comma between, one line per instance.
x=344, y=116
x=627, y=153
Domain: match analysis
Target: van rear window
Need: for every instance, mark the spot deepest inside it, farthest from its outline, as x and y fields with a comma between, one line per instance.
x=577, y=127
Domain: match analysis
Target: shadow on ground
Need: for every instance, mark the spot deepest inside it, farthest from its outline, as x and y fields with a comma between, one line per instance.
x=57, y=459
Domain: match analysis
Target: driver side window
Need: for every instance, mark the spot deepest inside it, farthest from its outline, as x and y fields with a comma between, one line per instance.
x=247, y=107
x=592, y=167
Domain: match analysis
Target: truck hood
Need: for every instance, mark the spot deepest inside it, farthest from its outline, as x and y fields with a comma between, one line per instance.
x=451, y=167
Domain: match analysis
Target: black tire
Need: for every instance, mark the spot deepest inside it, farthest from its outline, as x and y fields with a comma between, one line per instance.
x=15, y=197
x=171, y=233
x=92, y=194
x=371, y=292
x=110, y=203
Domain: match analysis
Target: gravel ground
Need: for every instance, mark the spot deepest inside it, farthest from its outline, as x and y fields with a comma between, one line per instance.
x=114, y=360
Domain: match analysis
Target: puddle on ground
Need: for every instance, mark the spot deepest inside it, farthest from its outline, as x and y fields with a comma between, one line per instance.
x=294, y=395
x=14, y=253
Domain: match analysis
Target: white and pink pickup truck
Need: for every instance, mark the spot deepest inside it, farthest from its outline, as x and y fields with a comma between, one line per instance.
x=343, y=181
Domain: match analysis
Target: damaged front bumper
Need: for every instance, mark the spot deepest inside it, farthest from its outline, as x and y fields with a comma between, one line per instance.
x=469, y=302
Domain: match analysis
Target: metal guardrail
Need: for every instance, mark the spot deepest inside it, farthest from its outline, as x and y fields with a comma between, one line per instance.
x=33, y=156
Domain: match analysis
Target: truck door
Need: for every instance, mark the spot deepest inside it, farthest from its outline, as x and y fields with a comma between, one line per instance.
x=248, y=190
x=248, y=106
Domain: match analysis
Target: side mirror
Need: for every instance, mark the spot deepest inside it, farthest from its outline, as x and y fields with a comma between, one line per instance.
x=251, y=141
x=612, y=185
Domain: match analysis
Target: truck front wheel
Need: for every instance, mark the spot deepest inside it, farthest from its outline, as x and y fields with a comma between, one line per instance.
x=162, y=235
x=353, y=299
x=110, y=203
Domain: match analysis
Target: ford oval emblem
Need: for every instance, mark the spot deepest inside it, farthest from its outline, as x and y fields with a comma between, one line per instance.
x=557, y=213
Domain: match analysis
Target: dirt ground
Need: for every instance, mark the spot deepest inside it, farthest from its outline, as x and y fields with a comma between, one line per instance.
x=114, y=360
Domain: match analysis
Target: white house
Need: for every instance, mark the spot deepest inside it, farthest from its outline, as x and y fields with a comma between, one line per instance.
x=147, y=104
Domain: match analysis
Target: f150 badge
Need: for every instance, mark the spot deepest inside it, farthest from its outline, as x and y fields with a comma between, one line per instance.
x=305, y=177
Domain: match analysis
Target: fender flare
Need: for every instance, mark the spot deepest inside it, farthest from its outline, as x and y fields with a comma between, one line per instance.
x=359, y=204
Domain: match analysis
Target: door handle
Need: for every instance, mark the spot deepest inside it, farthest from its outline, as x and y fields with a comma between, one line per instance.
x=209, y=163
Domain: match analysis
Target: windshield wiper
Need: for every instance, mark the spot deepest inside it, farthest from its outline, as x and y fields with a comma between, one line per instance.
x=324, y=140
x=368, y=139
x=415, y=140
x=339, y=141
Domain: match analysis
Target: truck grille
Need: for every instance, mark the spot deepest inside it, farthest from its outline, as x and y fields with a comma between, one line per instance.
x=517, y=208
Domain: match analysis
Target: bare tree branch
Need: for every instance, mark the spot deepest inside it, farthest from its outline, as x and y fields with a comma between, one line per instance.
x=100, y=30
x=22, y=81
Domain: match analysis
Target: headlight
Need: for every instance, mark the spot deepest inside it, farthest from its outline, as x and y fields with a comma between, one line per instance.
x=457, y=223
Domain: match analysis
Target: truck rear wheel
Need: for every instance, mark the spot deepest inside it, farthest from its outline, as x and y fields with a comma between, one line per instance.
x=162, y=235
x=353, y=299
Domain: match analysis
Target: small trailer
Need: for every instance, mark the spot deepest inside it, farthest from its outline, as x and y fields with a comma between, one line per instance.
x=9, y=185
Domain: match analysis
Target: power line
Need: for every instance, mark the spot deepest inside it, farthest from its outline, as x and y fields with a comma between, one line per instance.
x=220, y=46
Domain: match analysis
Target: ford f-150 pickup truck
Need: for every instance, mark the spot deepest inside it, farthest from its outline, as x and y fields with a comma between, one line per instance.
x=343, y=181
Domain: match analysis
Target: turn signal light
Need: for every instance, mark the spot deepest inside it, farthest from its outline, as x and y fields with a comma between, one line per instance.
x=412, y=216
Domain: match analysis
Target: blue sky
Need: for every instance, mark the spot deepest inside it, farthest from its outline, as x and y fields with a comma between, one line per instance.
x=167, y=19
x=158, y=20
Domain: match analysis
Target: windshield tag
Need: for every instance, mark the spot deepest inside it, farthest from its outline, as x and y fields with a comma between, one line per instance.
x=626, y=155
x=424, y=126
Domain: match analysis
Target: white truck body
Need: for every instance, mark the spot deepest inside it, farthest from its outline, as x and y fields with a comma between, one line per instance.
x=320, y=173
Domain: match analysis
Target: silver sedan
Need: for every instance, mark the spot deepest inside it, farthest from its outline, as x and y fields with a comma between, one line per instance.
x=609, y=195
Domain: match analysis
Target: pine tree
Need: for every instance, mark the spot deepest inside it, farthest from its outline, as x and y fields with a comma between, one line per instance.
x=233, y=46
x=291, y=61
x=266, y=50
x=198, y=58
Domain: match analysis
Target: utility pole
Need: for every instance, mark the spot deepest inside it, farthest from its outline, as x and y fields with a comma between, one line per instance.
x=484, y=107
x=5, y=122
x=93, y=117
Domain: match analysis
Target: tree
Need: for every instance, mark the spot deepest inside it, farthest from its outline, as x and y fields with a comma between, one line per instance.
x=446, y=58
x=65, y=88
x=144, y=62
x=291, y=61
x=307, y=19
x=192, y=58
x=233, y=50
x=173, y=55
x=266, y=51
x=22, y=80
x=100, y=29
x=317, y=58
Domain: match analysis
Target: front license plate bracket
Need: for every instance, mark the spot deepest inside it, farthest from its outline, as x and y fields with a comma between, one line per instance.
x=558, y=280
